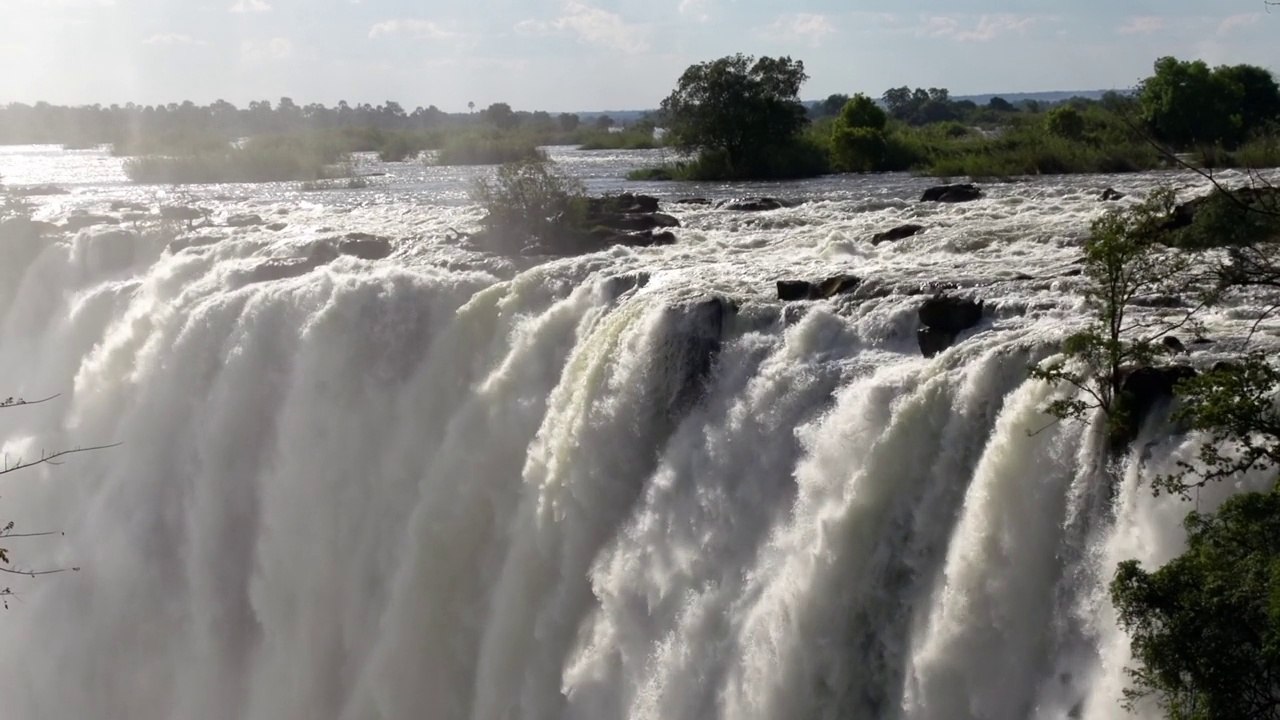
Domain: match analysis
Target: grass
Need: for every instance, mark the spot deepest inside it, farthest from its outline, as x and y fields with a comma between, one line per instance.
x=263, y=159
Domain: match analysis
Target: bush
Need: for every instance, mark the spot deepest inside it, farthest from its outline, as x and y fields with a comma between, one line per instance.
x=488, y=149
x=262, y=159
x=531, y=199
x=859, y=149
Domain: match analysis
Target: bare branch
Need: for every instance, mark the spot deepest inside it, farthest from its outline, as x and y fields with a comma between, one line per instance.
x=19, y=402
x=52, y=458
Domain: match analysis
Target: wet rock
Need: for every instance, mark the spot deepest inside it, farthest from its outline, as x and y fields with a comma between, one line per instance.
x=1174, y=345
x=242, y=221
x=178, y=213
x=1111, y=195
x=902, y=232
x=623, y=204
x=123, y=205
x=80, y=222
x=618, y=285
x=695, y=340
x=284, y=268
x=193, y=241
x=794, y=290
x=1141, y=391
x=762, y=204
x=1204, y=341
x=277, y=226
x=635, y=222
x=693, y=201
x=365, y=246
x=964, y=192
x=943, y=318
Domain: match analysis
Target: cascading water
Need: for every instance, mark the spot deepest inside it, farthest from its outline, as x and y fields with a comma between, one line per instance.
x=628, y=485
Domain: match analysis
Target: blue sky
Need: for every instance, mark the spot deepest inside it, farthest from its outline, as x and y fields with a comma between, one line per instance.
x=593, y=54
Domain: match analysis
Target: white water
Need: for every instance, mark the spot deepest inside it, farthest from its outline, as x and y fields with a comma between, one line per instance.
x=452, y=486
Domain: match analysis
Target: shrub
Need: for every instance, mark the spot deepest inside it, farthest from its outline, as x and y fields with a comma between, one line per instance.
x=488, y=149
x=530, y=198
x=263, y=159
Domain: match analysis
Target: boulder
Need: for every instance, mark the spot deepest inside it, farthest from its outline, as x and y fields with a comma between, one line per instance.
x=616, y=286
x=942, y=319
x=793, y=290
x=695, y=332
x=248, y=220
x=902, y=232
x=1111, y=195
x=693, y=201
x=1174, y=345
x=365, y=247
x=191, y=241
x=122, y=205
x=277, y=226
x=80, y=222
x=762, y=204
x=966, y=192
x=623, y=204
x=635, y=222
x=1141, y=391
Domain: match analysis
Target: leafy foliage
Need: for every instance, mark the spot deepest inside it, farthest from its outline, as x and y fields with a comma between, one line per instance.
x=738, y=113
x=530, y=198
x=1205, y=628
x=1185, y=103
x=1122, y=263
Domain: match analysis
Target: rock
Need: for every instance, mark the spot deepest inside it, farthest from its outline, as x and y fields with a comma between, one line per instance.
x=135, y=217
x=693, y=201
x=902, y=232
x=758, y=204
x=281, y=269
x=365, y=247
x=1111, y=194
x=623, y=204
x=943, y=319
x=1204, y=341
x=1174, y=345
x=636, y=222
x=618, y=285
x=241, y=221
x=122, y=205
x=1224, y=366
x=192, y=241
x=277, y=226
x=966, y=192
x=1141, y=390
x=80, y=222
x=793, y=290
x=179, y=213
x=694, y=340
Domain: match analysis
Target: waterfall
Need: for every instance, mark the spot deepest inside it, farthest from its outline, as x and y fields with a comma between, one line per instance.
x=578, y=491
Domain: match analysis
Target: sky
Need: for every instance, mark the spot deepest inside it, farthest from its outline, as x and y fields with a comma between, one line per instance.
x=583, y=55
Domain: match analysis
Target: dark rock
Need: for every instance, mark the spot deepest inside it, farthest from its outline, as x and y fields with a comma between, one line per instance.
x=635, y=222
x=901, y=232
x=277, y=226
x=695, y=338
x=1225, y=366
x=283, y=268
x=241, y=221
x=624, y=204
x=1204, y=341
x=1173, y=344
x=80, y=222
x=965, y=192
x=365, y=247
x=122, y=205
x=618, y=285
x=1111, y=194
x=1141, y=390
x=943, y=319
x=693, y=201
x=793, y=290
x=758, y=204
x=183, y=243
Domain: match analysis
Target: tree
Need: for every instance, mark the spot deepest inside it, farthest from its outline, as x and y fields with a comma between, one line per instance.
x=501, y=116
x=738, y=108
x=569, y=122
x=858, y=141
x=604, y=122
x=999, y=104
x=1185, y=103
x=1205, y=628
x=831, y=106
x=1123, y=262
x=1065, y=122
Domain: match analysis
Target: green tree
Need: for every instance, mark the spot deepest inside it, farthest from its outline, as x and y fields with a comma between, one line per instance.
x=530, y=198
x=858, y=142
x=1123, y=263
x=501, y=116
x=1205, y=628
x=737, y=108
x=999, y=104
x=1185, y=103
x=569, y=122
x=1065, y=122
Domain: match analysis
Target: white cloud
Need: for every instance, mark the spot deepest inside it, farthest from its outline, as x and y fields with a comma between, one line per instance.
x=699, y=10
x=1235, y=22
x=421, y=29
x=257, y=51
x=591, y=25
x=172, y=39
x=1141, y=25
x=987, y=27
x=251, y=6
x=809, y=28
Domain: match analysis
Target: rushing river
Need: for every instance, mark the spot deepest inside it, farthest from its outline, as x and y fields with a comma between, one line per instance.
x=454, y=485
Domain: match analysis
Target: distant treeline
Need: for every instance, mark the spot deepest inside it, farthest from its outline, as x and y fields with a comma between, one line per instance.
x=131, y=124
